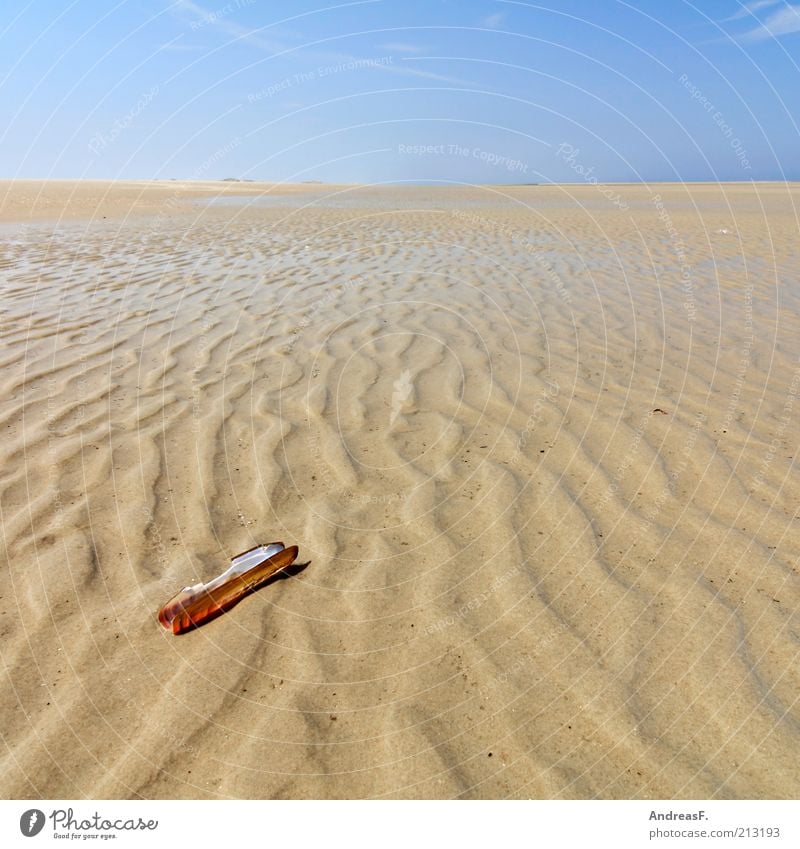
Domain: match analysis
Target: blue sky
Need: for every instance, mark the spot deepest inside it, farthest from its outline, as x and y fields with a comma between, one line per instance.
x=377, y=91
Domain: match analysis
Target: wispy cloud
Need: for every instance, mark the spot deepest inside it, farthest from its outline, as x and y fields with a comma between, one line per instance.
x=493, y=21
x=427, y=75
x=400, y=47
x=783, y=22
x=218, y=20
x=775, y=18
x=183, y=48
x=752, y=8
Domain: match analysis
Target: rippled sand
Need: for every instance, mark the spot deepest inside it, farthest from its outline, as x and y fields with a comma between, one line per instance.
x=539, y=445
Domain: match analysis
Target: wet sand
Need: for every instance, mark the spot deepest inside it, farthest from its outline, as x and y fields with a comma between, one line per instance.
x=538, y=443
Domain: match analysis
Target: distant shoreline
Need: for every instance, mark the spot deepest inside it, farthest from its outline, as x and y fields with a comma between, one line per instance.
x=27, y=200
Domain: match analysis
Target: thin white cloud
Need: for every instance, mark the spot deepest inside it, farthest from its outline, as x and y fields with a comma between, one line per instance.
x=783, y=22
x=751, y=8
x=428, y=75
x=209, y=18
x=181, y=47
x=217, y=20
x=493, y=21
x=400, y=47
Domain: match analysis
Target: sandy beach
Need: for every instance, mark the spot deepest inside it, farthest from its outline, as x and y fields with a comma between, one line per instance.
x=538, y=443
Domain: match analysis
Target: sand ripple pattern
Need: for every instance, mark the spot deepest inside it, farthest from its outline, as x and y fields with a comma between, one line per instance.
x=542, y=461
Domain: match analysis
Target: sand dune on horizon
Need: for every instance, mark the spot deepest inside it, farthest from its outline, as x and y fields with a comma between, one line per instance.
x=539, y=447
